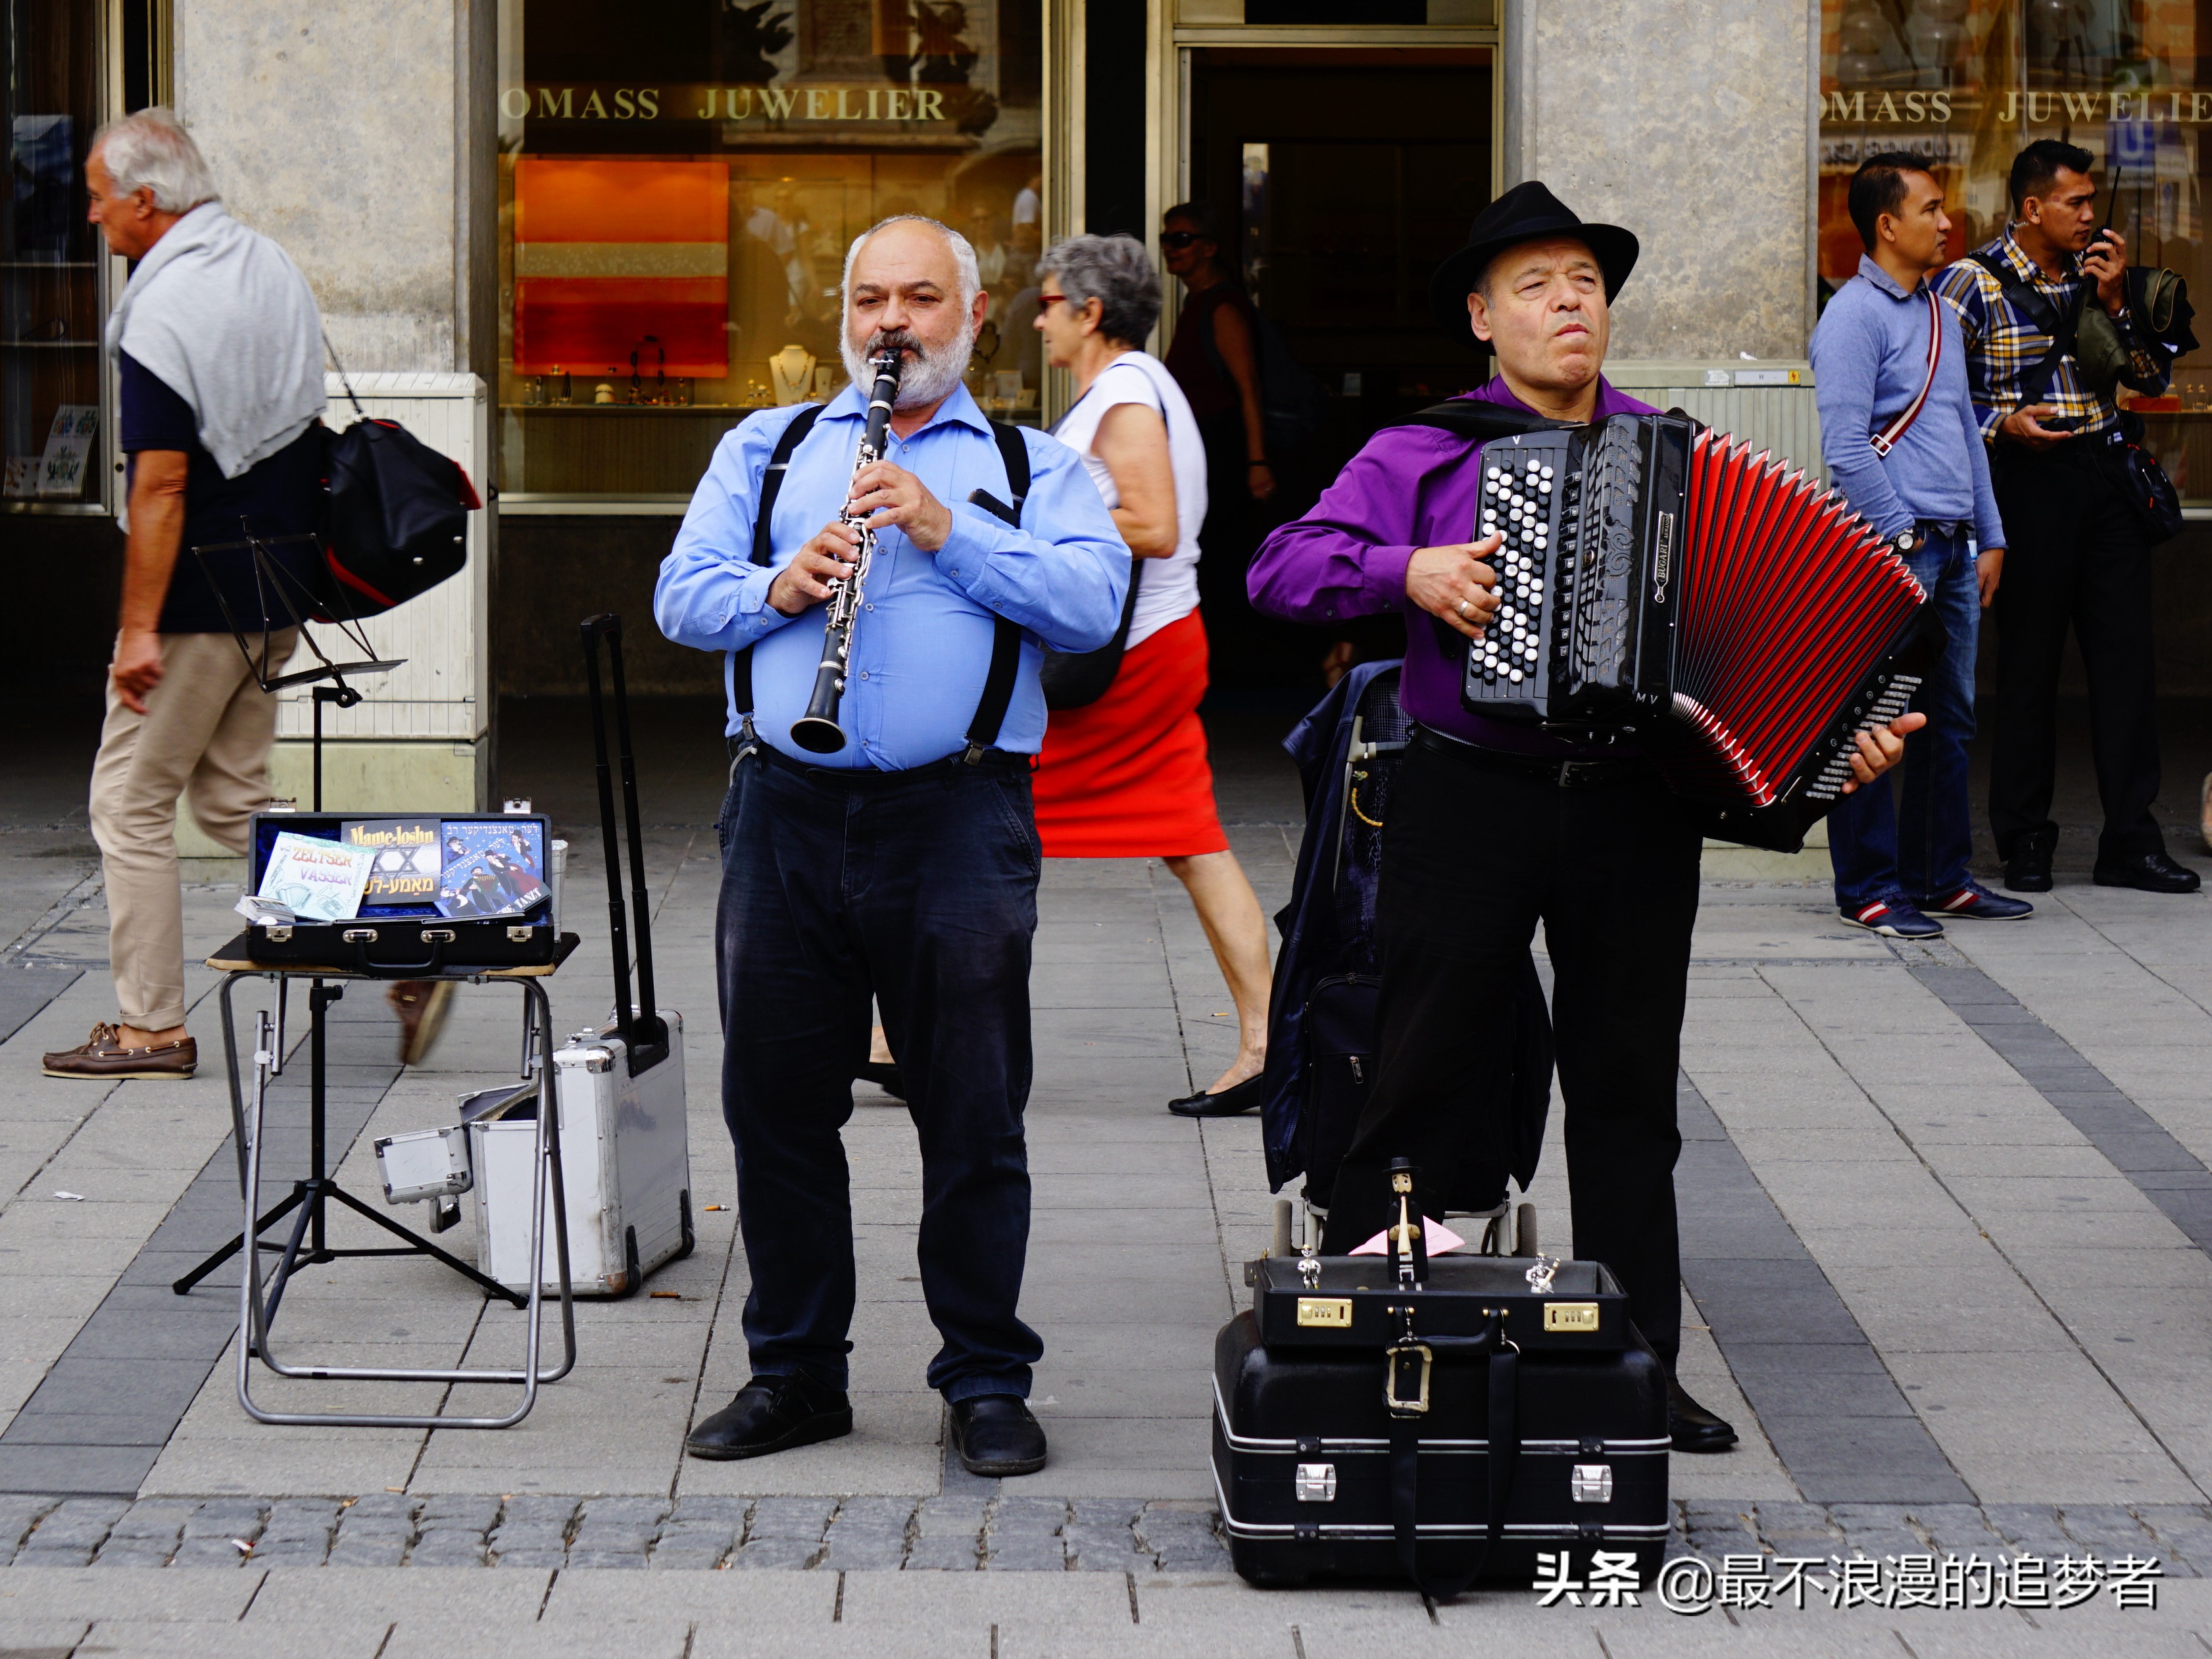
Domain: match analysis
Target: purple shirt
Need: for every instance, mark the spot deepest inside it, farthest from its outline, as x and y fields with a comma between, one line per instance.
x=1411, y=486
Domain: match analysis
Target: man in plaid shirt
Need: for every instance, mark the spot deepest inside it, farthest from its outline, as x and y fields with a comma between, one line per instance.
x=2075, y=551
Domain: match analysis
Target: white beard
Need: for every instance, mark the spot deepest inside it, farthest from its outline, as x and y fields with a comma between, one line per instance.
x=929, y=378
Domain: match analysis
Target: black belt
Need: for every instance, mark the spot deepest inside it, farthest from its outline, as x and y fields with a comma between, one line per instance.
x=1560, y=773
x=867, y=777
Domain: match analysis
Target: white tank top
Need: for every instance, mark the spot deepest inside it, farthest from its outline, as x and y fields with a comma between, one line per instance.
x=1169, y=589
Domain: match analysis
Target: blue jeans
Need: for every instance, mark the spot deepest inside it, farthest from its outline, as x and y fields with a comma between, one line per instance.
x=1922, y=843
x=918, y=888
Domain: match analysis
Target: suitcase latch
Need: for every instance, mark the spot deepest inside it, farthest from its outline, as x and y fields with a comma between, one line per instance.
x=279, y=932
x=1590, y=1483
x=435, y=935
x=1316, y=1483
x=1331, y=1312
x=1405, y=1385
x=518, y=936
x=1570, y=1316
x=358, y=936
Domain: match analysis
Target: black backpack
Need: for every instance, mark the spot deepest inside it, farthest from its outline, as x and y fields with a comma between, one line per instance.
x=396, y=521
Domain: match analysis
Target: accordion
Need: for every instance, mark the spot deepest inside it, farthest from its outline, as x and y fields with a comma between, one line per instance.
x=1662, y=582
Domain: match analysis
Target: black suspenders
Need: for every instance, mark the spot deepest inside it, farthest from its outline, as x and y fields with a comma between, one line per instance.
x=1006, y=636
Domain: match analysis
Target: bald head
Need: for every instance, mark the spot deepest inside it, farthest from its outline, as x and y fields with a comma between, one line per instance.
x=911, y=283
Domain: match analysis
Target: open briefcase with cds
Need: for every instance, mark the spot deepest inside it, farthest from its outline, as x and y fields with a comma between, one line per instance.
x=1437, y=1418
x=400, y=895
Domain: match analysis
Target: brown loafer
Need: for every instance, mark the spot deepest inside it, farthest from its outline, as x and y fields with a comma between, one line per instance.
x=421, y=1005
x=103, y=1055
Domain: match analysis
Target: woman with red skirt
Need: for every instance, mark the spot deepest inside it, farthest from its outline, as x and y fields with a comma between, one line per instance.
x=1126, y=777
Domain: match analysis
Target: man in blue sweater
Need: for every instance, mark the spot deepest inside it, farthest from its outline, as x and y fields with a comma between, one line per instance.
x=1906, y=450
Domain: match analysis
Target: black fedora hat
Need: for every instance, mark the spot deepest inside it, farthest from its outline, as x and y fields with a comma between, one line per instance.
x=1527, y=213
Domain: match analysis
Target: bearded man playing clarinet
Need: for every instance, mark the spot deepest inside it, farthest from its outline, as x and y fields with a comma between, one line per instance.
x=901, y=864
x=1493, y=827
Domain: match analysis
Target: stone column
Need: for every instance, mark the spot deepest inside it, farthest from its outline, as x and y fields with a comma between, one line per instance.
x=1690, y=122
x=362, y=139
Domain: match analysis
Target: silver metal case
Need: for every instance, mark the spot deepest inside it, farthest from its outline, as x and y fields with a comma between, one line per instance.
x=425, y=1164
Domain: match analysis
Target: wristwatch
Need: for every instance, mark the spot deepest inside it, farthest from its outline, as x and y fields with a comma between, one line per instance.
x=1905, y=540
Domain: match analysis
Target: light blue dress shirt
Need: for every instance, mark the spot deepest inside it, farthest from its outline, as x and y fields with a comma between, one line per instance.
x=921, y=644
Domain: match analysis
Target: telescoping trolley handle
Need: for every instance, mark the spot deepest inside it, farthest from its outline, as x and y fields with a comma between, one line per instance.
x=644, y=1033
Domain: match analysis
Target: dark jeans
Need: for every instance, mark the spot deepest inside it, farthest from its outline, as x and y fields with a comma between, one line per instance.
x=1471, y=860
x=920, y=889
x=1921, y=844
x=2074, y=556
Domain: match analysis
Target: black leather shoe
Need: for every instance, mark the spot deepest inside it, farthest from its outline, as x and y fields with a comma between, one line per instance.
x=2147, y=873
x=995, y=1434
x=885, y=1076
x=1693, y=1427
x=1237, y=1098
x=773, y=1414
x=2027, y=866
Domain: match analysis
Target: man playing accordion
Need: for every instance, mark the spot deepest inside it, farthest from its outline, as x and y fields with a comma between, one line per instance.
x=1495, y=826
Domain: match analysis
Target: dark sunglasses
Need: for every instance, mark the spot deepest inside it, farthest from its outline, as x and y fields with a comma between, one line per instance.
x=1181, y=237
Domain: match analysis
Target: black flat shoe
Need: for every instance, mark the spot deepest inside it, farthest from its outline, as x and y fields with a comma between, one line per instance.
x=1693, y=1428
x=2147, y=873
x=885, y=1076
x=2027, y=866
x=1237, y=1098
x=772, y=1414
x=995, y=1434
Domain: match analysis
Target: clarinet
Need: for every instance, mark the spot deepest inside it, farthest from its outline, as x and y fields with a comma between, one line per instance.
x=817, y=731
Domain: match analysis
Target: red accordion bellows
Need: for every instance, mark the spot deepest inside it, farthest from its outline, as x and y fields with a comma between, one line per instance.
x=1787, y=598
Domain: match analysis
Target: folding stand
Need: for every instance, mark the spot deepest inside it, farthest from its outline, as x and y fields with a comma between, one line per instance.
x=258, y=1305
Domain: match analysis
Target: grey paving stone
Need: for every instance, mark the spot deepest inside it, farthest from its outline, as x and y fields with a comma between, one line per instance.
x=132, y=1552
x=227, y=1517
x=1101, y=1535
x=716, y=1510
x=800, y=1518
x=477, y=1510
x=397, y=1504
x=513, y=1535
x=447, y=1547
x=1183, y=1540
x=538, y=1560
x=214, y=1553
x=1794, y=1529
x=1959, y=1529
x=868, y=1533
x=647, y=1512
x=299, y=1554
x=2184, y=1537
x=776, y=1552
x=607, y=1558
x=155, y=1518
x=947, y=1534
x=1024, y=1535
x=62, y=1556
x=78, y=1523
x=2107, y=1528
x=2033, y=1530
x=681, y=1556
x=19, y=1513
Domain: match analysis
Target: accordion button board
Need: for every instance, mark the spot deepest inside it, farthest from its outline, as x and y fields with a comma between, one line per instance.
x=1731, y=617
x=1583, y=639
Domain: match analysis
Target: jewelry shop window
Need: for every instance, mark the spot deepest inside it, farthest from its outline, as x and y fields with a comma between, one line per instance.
x=1968, y=84
x=52, y=304
x=678, y=184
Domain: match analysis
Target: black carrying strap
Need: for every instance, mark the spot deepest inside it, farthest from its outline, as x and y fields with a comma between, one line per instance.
x=1482, y=421
x=1501, y=1432
x=644, y=1033
x=2036, y=382
x=779, y=462
x=1006, y=636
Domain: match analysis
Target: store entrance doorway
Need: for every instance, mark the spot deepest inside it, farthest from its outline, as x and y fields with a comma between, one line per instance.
x=1348, y=175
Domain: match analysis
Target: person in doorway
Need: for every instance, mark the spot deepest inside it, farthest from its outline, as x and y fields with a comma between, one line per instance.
x=218, y=354
x=902, y=867
x=1898, y=433
x=1215, y=360
x=1126, y=777
x=1494, y=827
x=2075, y=550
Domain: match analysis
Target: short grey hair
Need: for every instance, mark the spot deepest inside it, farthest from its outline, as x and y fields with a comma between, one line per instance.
x=151, y=150
x=963, y=253
x=1118, y=272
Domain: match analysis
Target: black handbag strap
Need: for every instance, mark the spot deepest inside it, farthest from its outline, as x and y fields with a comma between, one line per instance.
x=1482, y=421
x=771, y=486
x=1006, y=636
x=1501, y=1431
x=2023, y=298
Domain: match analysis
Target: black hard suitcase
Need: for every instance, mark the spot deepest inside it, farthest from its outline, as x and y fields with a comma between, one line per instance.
x=1320, y=1477
x=398, y=946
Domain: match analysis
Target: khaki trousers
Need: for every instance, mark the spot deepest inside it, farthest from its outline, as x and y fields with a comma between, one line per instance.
x=206, y=734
